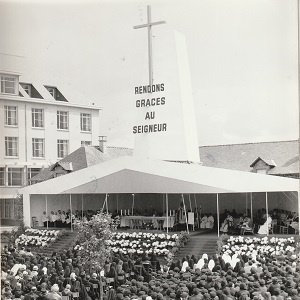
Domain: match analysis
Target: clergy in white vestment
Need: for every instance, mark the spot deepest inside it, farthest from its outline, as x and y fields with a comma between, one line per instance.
x=211, y=264
x=184, y=266
x=199, y=265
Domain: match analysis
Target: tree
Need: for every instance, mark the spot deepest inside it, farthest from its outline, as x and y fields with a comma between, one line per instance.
x=92, y=237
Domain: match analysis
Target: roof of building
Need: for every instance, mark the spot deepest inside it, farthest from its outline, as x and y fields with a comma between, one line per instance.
x=135, y=175
x=81, y=158
x=240, y=156
x=283, y=156
x=40, y=94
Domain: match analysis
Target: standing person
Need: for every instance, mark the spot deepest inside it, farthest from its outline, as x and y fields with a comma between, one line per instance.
x=63, y=219
x=264, y=229
x=210, y=221
x=45, y=219
x=58, y=219
x=203, y=221
x=55, y=219
x=68, y=219
x=51, y=219
x=181, y=215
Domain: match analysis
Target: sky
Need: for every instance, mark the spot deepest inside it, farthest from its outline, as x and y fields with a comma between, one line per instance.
x=242, y=56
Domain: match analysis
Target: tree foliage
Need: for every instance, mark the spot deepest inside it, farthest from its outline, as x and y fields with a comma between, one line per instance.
x=9, y=237
x=92, y=237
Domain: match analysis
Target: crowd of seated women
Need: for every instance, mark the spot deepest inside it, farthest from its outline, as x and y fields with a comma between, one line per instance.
x=139, y=277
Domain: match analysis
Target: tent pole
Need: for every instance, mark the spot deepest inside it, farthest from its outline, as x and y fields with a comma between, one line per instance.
x=186, y=220
x=132, y=204
x=106, y=203
x=71, y=213
x=298, y=213
x=190, y=202
x=218, y=217
x=117, y=204
x=81, y=206
x=246, y=204
x=103, y=204
x=251, y=206
x=167, y=209
x=267, y=212
x=196, y=209
x=46, y=198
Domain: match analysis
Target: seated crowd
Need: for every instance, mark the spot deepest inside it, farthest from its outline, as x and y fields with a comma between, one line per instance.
x=63, y=276
x=234, y=223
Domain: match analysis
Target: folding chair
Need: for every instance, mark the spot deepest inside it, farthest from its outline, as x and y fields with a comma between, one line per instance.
x=283, y=229
x=35, y=222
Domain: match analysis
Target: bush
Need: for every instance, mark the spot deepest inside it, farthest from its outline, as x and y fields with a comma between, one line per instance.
x=92, y=237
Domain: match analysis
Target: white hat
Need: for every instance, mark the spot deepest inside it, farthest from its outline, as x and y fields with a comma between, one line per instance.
x=54, y=288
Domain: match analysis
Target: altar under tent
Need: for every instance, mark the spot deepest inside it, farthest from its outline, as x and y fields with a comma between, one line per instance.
x=149, y=203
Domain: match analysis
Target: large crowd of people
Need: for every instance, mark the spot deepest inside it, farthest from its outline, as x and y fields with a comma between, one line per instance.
x=62, y=276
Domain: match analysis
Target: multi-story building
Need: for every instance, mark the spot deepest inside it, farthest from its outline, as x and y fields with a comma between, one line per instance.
x=38, y=126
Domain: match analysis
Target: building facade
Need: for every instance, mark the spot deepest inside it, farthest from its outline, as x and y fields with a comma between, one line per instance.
x=38, y=126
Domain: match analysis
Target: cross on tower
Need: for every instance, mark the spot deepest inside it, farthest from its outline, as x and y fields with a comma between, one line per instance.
x=149, y=25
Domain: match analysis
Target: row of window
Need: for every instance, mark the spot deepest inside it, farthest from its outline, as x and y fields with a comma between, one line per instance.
x=11, y=209
x=15, y=176
x=38, y=147
x=11, y=118
x=9, y=85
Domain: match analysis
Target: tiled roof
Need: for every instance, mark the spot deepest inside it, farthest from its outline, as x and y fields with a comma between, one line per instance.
x=235, y=157
x=43, y=175
x=81, y=158
x=240, y=156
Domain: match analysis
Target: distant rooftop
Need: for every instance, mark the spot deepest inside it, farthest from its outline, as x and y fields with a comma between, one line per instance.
x=284, y=155
x=79, y=159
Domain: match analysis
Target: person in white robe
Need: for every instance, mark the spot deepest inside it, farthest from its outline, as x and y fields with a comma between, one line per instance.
x=203, y=221
x=184, y=266
x=199, y=265
x=210, y=222
x=264, y=229
x=211, y=264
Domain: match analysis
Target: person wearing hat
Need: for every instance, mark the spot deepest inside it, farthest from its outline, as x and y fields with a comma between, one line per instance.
x=96, y=291
x=66, y=293
x=34, y=271
x=75, y=285
x=54, y=293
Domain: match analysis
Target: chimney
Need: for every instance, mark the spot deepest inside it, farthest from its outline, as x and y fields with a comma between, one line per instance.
x=102, y=143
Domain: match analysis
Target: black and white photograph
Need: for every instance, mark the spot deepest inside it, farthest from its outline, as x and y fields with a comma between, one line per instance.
x=149, y=150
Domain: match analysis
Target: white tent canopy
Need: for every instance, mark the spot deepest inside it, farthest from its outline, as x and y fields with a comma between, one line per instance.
x=131, y=175
x=138, y=176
